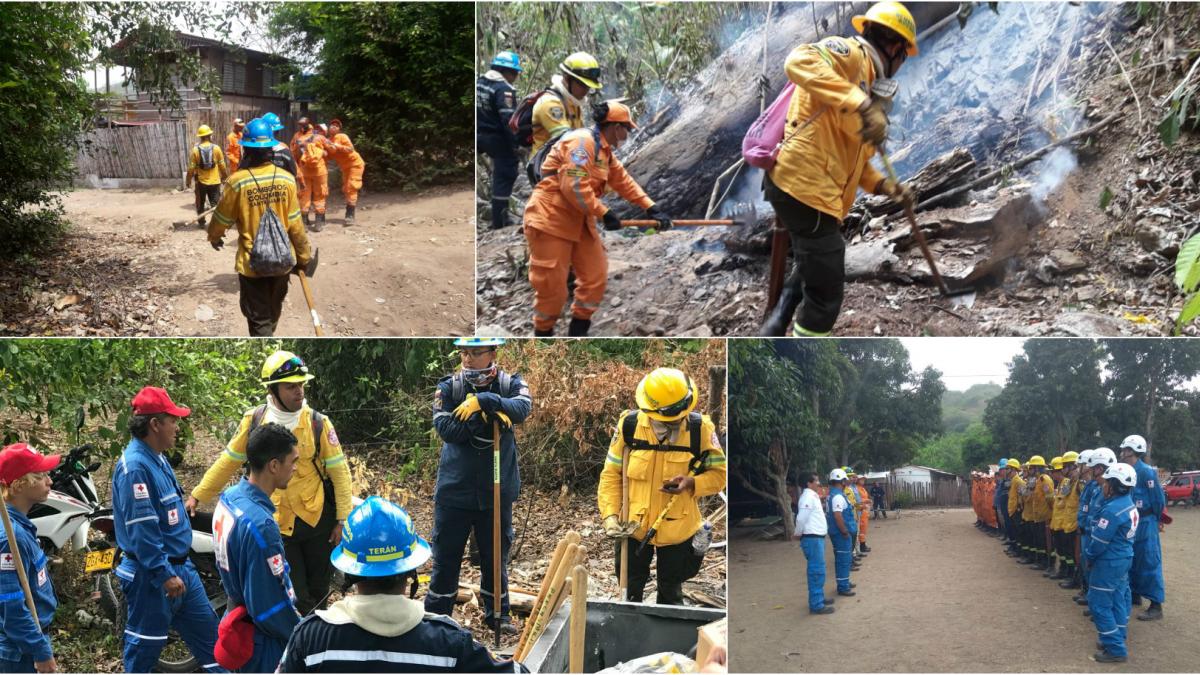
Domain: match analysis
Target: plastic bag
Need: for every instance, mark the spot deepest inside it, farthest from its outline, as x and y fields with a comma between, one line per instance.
x=662, y=662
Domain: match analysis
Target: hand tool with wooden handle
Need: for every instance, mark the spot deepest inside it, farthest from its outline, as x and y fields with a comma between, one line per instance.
x=742, y=214
x=496, y=581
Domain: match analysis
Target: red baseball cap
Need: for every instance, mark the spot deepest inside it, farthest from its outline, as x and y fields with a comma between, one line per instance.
x=19, y=459
x=235, y=639
x=155, y=400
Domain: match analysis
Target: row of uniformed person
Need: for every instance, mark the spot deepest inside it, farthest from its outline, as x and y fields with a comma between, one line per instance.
x=839, y=512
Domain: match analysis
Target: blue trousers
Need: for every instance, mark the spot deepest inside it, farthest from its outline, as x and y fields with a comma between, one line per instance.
x=814, y=553
x=150, y=614
x=25, y=665
x=1146, y=573
x=1109, y=600
x=504, y=174
x=451, y=526
x=267, y=653
x=843, y=547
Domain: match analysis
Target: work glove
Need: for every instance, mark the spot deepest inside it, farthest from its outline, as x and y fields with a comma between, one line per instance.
x=874, y=123
x=611, y=221
x=615, y=530
x=488, y=402
x=468, y=407
x=901, y=193
x=505, y=422
x=664, y=221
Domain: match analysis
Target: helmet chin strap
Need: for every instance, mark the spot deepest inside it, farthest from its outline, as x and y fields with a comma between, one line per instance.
x=274, y=389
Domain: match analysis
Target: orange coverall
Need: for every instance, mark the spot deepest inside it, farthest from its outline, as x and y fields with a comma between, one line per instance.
x=560, y=224
x=309, y=151
x=351, y=164
x=233, y=151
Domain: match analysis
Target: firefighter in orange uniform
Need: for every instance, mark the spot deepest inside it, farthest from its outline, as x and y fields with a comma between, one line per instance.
x=562, y=214
x=349, y=162
x=860, y=486
x=308, y=147
x=233, y=145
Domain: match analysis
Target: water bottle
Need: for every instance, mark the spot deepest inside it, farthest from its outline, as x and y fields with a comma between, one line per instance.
x=702, y=539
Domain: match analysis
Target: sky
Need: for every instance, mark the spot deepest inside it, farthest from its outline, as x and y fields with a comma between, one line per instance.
x=964, y=361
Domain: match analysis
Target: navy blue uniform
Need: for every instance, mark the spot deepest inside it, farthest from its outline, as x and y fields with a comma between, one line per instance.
x=463, y=496
x=843, y=544
x=495, y=102
x=22, y=642
x=1109, y=552
x=254, y=571
x=155, y=535
x=434, y=645
x=1146, y=574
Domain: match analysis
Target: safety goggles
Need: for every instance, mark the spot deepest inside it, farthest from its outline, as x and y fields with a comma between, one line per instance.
x=592, y=74
x=290, y=367
x=675, y=409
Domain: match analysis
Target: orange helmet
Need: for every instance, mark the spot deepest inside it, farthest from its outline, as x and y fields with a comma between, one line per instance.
x=614, y=111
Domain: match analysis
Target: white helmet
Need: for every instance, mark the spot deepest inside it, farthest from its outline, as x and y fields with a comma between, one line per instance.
x=1124, y=474
x=837, y=474
x=1135, y=443
x=1103, y=457
x=1084, y=457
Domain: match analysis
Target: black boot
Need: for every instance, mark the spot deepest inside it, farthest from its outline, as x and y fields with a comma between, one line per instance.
x=319, y=223
x=779, y=322
x=307, y=222
x=578, y=327
x=543, y=333
x=865, y=548
x=499, y=214
x=1153, y=613
x=349, y=214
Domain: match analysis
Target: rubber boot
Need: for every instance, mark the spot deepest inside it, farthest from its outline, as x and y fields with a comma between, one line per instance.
x=307, y=221
x=1072, y=581
x=543, y=333
x=578, y=327
x=1153, y=613
x=779, y=321
x=865, y=548
x=1050, y=571
x=499, y=214
x=1064, y=572
x=319, y=223
x=1105, y=657
x=349, y=214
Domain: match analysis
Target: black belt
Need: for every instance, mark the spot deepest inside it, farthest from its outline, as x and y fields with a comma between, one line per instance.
x=1147, y=513
x=812, y=536
x=173, y=561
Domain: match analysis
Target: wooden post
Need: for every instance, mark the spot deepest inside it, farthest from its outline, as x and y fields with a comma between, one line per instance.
x=579, y=585
x=781, y=243
x=497, y=581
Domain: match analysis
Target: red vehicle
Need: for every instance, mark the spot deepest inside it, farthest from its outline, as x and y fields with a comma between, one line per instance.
x=1183, y=487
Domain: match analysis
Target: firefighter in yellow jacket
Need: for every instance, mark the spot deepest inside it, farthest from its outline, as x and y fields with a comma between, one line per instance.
x=1037, y=510
x=834, y=126
x=562, y=214
x=1063, y=522
x=560, y=108
x=314, y=505
x=1015, y=486
x=669, y=456
x=206, y=165
x=256, y=194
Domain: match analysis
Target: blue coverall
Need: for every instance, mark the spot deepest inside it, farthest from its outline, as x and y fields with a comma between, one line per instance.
x=22, y=642
x=1087, y=507
x=154, y=534
x=254, y=571
x=462, y=497
x=843, y=544
x=813, y=546
x=1109, y=552
x=495, y=102
x=1000, y=504
x=1146, y=574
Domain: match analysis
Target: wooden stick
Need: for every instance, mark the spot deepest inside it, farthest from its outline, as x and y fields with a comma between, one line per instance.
x=497, y=581
x=690, y=223
x=579, y=585
x=15, y=549
x=623, y=577
x=312, y=308
x=560, y=552
x=543, y=613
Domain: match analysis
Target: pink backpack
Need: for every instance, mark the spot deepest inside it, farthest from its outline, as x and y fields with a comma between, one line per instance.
x=764, y=139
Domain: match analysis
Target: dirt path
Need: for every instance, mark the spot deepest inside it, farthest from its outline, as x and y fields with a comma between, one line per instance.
x=405, y=268
x=937, y=595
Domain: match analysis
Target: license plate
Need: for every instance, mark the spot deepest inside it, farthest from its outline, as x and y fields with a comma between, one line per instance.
x=98, y=561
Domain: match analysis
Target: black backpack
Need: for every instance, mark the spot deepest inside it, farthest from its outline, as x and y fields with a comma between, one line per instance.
x=458, y=386
x=695, y=467
x=533, y=169
x=521, y=122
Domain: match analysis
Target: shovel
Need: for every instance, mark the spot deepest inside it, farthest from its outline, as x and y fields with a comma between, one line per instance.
x=962, y=296
x=304, y=275
x=181, y=224
x=744, y=214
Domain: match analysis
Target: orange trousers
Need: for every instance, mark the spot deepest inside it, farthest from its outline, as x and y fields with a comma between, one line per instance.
x=352, y=182
x=862, y=525
x=314, y=191
x=550, y=260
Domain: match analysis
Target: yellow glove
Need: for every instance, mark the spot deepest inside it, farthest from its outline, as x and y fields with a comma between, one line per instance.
x=468, y=407
x=505, y=422
x=901, y=193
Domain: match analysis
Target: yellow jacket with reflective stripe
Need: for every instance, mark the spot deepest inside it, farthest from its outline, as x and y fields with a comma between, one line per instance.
x=1041, y=500
x=1066, y=506
x=207, y=176
x=553, y=113
x=1014, y=494
x=305, y=495
x=824, y=163
x=247, y=196
x=648, y=469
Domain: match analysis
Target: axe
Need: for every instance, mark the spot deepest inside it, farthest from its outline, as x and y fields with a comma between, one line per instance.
x=743, y=214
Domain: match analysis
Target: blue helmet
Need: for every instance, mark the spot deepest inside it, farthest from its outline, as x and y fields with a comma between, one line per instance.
x=479, y=342
x=507, y=59
x=273, y=119
x=378, y=541
x=258, y=134
x=1003, y=462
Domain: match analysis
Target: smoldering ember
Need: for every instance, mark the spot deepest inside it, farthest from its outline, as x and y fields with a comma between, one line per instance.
x=1036, y=135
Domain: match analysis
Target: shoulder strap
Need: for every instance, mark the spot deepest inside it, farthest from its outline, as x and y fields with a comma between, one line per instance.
x=628, y=428
x=318, y=430
x=697, y=464
x=505, y=384
x=456, y=387
x=256, y=418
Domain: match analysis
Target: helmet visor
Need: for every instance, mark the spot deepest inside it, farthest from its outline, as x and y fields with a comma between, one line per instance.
x=675, y=409
x=293, y=366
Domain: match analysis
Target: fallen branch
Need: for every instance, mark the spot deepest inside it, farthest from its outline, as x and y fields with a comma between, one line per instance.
x=1129, y=82
x=1033, y=156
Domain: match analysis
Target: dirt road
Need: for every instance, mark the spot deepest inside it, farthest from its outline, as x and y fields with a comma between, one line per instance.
x=937, y=595
x=405, y=268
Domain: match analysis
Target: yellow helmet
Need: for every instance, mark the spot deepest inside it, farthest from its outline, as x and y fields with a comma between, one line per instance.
x=666, y=394
x=891, y=15
x=1036, y=460
x=1014, y=464
x=1070, y=457
x=583, y=67
x=1056, y=463
x=284, y=367
x=204, y=130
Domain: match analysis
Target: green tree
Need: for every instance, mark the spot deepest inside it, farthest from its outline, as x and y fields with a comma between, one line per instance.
x=1145, y=377
x=399, y=75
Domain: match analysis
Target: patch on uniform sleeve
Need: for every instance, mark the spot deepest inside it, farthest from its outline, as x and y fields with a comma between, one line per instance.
x=275, y=562
x=140, y=491
x=43, y=578
x=715, y=440
x=557, y=113
x=6, y=562
x=1150, y=483
x=1139, y=504
x=173, y=517
x=508, y=99
x=437, y=400
x=523, y=392
x=331, y=436
x=836, y=46
x=577, y=173
x=579, y=156
x=1102, y=523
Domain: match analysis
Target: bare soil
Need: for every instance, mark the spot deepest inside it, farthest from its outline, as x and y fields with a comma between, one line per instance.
x=935, y=594
x=405, y=268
